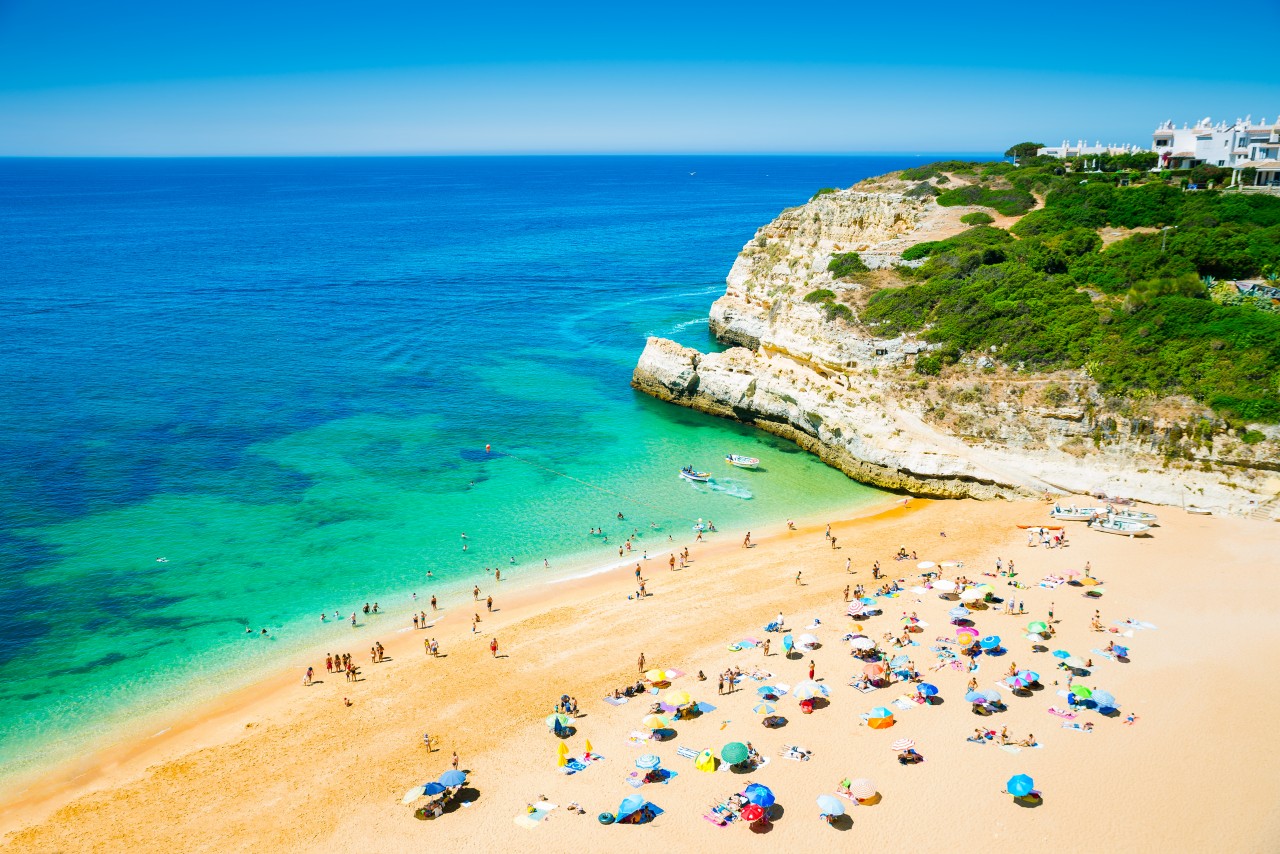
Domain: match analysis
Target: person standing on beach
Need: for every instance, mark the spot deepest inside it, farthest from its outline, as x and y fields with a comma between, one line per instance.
x=493, y=647
x=720, y=690
x=671, y=562
x=848, y=565
x=766, y=647
x=433, y=603
x=353, y=619
x=497, y=573
x=811, y=669
x=328, y=664
x=455, y=760
x=833, y=543
x=306, y=680
x=827, y=535
x=640, y=663
x=746, y=541
x=846, y=593
x=426, y=646
x=489, y=604
x=1051, y=612
x=797, y=579
x=475, y=593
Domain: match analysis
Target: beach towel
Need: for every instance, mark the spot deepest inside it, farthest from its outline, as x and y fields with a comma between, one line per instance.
x=676, y=674
x=1104, y=654
x=867, y=690
x=573, y=766
x=639, y=739
x=1076, y=727
x=903, y=704
x=530, y=820
x=1010, y=748
x=615, y=701
x=687, y=752
x=706, y=708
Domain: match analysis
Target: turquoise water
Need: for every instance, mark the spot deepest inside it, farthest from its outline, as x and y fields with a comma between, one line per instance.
x=243, y=393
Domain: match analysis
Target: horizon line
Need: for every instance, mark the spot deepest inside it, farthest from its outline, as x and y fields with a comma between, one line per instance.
x=497, y=154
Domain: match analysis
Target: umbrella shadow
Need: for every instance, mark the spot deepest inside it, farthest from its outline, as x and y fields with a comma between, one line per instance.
x=1030, y=801
x=820, y=703
x=842, y=822
x=935, y=700
x=466, y=793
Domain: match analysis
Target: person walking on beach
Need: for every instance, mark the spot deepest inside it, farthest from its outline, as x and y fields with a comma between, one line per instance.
x=489, y=604
x=827, y=535
x=475, y=593
x=1051, y=612
x=797, y=579
x=455, y=760
x=746, y=541
x=493, y=647
x=306, y=680
x=833, y=543
x=846, y=593
x=848, y=565
x=640, y=663
x=766, y=647
x=720, y=689
x=811, y=669
x=433, y=603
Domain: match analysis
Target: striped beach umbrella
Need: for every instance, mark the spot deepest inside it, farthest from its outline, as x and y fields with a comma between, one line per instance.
x=763, y=709
x=902, y=744
x=862, y=788
x=854, y=609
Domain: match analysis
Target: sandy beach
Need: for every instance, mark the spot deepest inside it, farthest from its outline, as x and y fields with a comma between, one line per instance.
x=283, y=767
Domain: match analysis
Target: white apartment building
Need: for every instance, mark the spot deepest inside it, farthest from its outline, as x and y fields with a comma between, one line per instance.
x=1083, y=149
x=1237, y=146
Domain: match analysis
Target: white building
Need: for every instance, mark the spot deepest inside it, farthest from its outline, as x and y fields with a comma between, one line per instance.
x=1083, y=149
x=1235, y=146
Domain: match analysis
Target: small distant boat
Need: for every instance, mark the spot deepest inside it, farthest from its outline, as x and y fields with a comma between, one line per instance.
x=1113, y=525
x=1076, y=514
x=1199, y=511
x=1134, y=516
x=689, y=473
x=741, y=462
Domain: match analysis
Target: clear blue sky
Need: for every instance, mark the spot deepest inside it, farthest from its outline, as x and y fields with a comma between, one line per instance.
x=320, y=77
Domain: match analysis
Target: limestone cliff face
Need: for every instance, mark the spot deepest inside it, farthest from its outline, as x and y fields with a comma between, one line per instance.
x=983, y=431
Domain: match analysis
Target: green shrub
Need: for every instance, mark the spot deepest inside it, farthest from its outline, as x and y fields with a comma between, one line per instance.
x=977, y=218
x=820, y=295
x=1010, y=202
x=825, y=191
x=847, y=264
x=1252, y=437
x=922, y=190
x=839, y=310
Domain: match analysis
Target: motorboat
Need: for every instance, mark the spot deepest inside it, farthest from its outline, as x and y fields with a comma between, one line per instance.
x=690, y=473
x=1133, y=516
x=1199, y=511
x=1076, y=514
x=741, y=462
x=1115, y=525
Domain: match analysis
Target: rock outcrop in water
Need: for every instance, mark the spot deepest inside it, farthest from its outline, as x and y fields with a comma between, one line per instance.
x=982, y=430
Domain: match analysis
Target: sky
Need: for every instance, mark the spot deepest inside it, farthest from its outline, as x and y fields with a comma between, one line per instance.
x=310, y=78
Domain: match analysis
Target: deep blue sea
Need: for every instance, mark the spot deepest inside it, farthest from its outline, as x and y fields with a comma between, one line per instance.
x=238, y=393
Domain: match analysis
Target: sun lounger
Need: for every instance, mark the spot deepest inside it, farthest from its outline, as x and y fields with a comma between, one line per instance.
x=615, y=701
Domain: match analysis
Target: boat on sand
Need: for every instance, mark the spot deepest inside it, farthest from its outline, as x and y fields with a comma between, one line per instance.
x=1076, y=514
x=1115, y=525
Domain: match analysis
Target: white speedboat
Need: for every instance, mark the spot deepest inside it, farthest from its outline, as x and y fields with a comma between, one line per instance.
x=1199, y=511
x=689, y=473
x=1114, y=525
x=1076, y=514
x=1133, y=516
x=741, y=462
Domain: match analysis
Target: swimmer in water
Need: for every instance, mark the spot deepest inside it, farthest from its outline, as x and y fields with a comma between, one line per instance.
x=162, y=560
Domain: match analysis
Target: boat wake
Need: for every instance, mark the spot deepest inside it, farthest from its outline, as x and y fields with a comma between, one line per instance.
x=732, y=488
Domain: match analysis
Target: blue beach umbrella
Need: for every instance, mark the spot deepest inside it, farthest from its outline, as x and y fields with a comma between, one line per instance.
x=630, y=804
x=432, y=788
x=648, y=761
x=975, y=697
x=1020, y=785
x=1104, y=699
x=927, y=690
x=787, y=642
x=830, y=805
x=1029, y=675
x=990, y=642
x=880, y=712
x=1121, y=651
x=1061, y=653
x=451, y=778
x=959, y=612
x=768, y=689
x=992, y=696
x=761, y=796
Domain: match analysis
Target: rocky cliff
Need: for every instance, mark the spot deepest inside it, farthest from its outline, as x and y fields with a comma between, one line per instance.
x=981, y=430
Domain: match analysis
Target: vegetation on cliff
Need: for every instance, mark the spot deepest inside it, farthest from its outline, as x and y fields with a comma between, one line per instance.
x=1137, y=314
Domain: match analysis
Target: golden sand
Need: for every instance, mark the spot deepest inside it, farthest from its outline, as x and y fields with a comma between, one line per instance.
x=282, y=767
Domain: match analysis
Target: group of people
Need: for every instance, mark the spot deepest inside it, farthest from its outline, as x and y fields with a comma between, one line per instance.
x=341, y=663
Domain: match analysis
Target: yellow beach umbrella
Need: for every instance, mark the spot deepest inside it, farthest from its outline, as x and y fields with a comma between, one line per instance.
x=562, y=749
x=656, y=675
x=587, y=745
x=678, y=698
x=654, y=722
x=562, y=760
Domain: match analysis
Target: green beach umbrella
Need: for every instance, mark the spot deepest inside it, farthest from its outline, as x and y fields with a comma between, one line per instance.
x=1038, y=627
x=734, y=752
x=1081, y=691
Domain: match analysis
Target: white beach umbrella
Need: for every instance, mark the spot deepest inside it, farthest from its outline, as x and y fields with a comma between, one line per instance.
x=970, y=595
x=807, y=640
x=926, y=564
x=862, y=643
x=945, y=585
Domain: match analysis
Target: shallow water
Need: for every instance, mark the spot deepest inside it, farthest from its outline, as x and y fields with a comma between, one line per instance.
x=239, y=393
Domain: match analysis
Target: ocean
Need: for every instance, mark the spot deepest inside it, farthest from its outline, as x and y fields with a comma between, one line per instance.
x=240, y=393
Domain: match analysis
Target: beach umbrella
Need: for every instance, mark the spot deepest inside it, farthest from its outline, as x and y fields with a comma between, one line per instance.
x=970, y=595
x=1029, y=675
x=959, y=612
x=432, y=788
x=656, y=675
x=854, y=609
x=768, y=689
x=452, y=778
x=752, y=813
x=926, y=564
x=648, y=761
x=705, y=761
x=1082, y=691
x=902, y=744
x=880, y=712
x=875, y=669
x=830, y=805
x=562, y=749
x=1038, y=627
x=990, y=642
x=967, y=634
x=899, y=660
x=788, y=642
x=654, y=722
x=562, y=720
x=807, y=640
x=760, y=795
x=1020, y=785
x=985, y=589
x=862, y=788
x=1104, y=699
x=562, y=760
x=734, y=752
x=1120, y=651
x=817, y=689
x=678, y=698
x=975, y=697
x=1061, y=653
x=1074, y=661
x=946, y=585
x=630, y=804
x=1071, y=573
x=763, y=709
x=991, y=695
x=880, y=723
x=925, y=689
x=1018, y=681
x=862, y=643
x=586, y=745
x=426, y=790
x=1088, y=582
